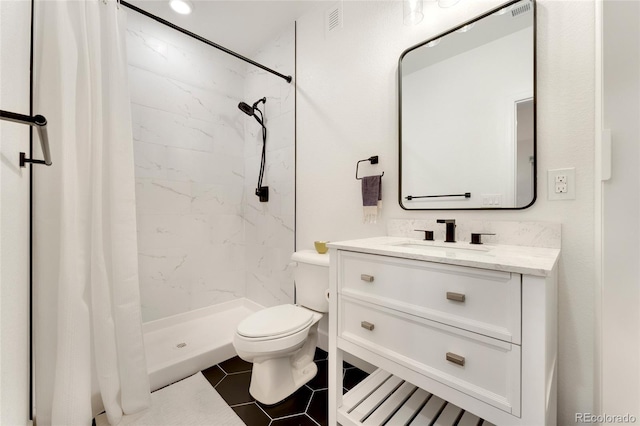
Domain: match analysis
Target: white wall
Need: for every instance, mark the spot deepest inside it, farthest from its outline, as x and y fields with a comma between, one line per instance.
x=269, y=227
x=621, y=211
x=188, y=142
x=347, y=111
x=15, y=24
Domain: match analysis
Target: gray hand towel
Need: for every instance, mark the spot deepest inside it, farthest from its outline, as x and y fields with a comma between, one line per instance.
x=371, y=197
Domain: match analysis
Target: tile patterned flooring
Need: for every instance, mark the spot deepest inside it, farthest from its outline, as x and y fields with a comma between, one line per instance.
x=307, y=406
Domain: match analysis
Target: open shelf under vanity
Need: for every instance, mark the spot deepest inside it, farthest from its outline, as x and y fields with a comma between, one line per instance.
x=385, y=399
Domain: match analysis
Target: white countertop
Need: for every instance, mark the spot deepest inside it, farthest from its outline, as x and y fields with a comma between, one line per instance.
x=537, y=261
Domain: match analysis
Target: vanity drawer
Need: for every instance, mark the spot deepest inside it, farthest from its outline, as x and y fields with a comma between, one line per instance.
x=479, y=300
x=484, y=368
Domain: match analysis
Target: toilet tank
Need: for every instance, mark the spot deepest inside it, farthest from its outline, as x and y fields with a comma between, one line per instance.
x=311, y=276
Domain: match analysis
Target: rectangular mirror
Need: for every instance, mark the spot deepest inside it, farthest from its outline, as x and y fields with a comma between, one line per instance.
x=468, y=116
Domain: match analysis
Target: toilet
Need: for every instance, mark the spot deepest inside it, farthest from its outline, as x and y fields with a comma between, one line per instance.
x=280, y=341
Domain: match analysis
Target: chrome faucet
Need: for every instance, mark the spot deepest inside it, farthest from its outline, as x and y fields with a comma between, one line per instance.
x=451, y=229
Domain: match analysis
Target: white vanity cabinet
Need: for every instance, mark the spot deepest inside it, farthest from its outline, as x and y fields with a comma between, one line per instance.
x=474, y=329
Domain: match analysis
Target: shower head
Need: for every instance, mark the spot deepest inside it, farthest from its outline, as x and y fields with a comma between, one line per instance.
x=250, y=110
x=246, y=109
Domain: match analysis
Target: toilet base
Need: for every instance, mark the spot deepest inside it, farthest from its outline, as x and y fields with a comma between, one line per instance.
x=274, y=379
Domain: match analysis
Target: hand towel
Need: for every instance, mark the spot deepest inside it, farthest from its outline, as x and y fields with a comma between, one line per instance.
x=371, y=197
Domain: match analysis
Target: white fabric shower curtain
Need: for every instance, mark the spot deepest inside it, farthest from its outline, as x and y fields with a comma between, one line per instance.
x=89, y=345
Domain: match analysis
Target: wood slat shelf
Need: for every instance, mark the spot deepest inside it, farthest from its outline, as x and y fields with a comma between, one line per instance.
x=384, y=399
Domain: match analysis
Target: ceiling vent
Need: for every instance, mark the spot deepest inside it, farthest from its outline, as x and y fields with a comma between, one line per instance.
x=520, y=9
x=333, y=18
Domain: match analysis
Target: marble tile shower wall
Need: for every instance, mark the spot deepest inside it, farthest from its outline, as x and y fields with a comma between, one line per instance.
x=269, y=227
x=189, y=159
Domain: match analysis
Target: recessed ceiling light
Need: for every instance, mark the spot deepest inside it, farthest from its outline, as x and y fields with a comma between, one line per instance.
x=183, y=7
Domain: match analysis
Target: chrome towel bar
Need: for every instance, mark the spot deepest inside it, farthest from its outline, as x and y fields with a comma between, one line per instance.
x=40, y=123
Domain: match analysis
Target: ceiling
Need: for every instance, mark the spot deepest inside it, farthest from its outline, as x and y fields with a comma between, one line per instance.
x=240, y=25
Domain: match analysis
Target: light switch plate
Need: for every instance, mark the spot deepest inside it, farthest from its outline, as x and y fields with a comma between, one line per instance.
x=561, y=184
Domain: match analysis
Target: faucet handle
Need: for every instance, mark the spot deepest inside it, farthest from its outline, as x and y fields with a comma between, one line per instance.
x=476, y=238
x=428, y=235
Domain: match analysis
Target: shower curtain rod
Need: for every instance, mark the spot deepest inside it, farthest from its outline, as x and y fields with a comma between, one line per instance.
x=204, y=40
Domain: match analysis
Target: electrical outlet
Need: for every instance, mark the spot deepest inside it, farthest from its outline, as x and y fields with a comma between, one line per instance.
x=561, y=184
x=561, y=188
x=561, y=178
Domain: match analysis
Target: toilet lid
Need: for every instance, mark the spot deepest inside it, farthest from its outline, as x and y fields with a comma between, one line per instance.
x=275, y=321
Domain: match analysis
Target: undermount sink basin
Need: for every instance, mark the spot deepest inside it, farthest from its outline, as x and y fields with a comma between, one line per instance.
x=432, y=246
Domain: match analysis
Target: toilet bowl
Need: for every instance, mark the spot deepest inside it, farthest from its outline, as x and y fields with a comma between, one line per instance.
x=282, y=356
x=281, y=340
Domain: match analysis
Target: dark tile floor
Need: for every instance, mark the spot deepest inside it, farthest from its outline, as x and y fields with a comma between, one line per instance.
x=307, y=406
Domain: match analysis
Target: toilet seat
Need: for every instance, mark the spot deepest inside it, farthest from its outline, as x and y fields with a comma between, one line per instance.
x=275, y=322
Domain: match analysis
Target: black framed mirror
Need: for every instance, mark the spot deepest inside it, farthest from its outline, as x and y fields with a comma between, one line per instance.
x=467, y=115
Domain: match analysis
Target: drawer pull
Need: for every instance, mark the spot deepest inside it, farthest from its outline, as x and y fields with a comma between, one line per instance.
x=456, y=359
x=367, y=278
x=456, y=297
x=366, y=325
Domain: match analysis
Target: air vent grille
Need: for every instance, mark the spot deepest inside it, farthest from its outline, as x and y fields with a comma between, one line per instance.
x=519, y=10
x=333, y=18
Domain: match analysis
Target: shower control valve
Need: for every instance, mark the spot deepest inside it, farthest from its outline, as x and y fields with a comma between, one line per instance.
x=263, y=193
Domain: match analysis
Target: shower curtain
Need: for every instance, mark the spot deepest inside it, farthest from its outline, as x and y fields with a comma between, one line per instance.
x=87, y=316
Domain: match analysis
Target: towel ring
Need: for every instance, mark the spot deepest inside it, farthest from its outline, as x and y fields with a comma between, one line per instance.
x=373, y=160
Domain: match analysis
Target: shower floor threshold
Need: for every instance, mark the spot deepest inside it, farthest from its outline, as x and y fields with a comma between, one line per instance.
x=183, y=344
